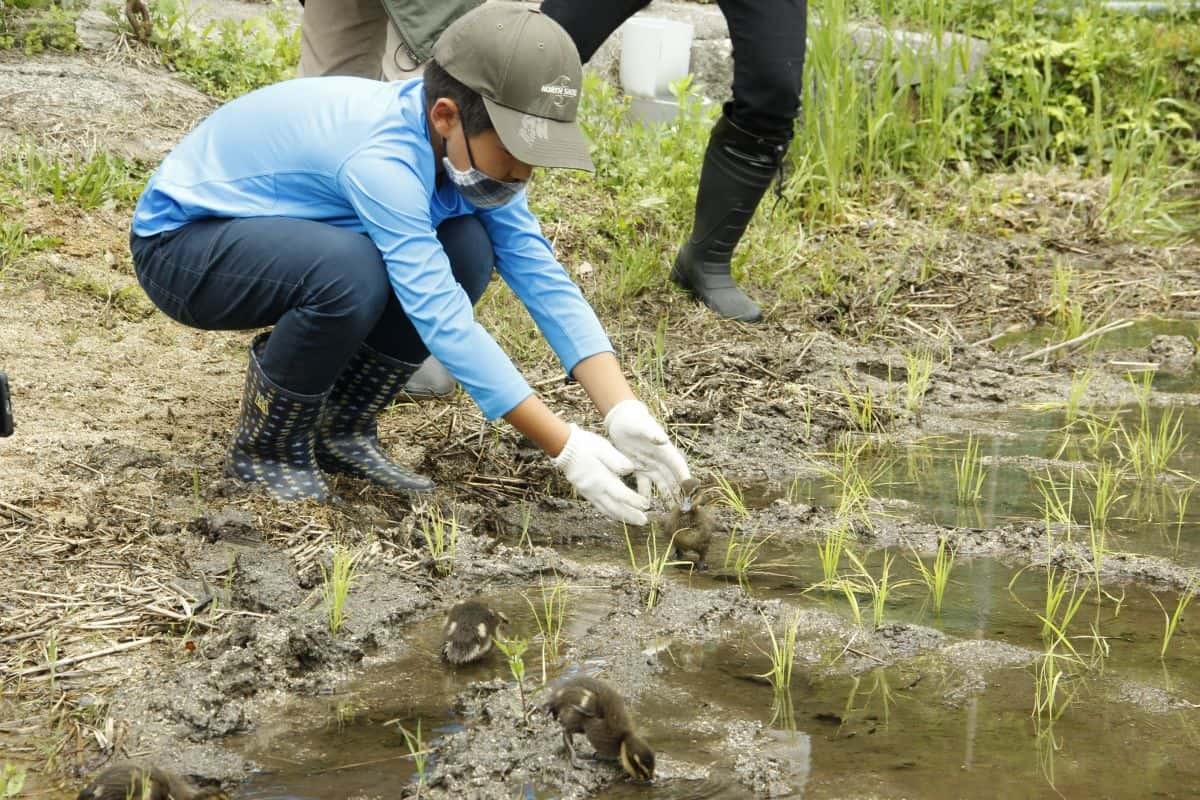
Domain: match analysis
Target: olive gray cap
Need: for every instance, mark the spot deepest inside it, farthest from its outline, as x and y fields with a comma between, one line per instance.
x=527, y=70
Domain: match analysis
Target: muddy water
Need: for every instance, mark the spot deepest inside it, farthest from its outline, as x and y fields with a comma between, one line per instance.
x=944, y=723
x=1023, y=451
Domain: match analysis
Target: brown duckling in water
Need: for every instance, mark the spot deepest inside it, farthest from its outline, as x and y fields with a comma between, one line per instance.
x=469, y=630
x=590, y=706
x=691, y=524
x=126, y=781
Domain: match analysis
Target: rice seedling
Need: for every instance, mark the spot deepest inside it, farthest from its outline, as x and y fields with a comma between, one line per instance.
x=514, y=653
x=863, y=409
x=730, y=496
x=850, y=592
x=550, y=614
x=1065, y=312
x=879, y=588
x=335, y=586
x=1080, y=380
x=12, y=780
x=1150, y=447
x=656, y=564
x=969, y=474
x=918, y=366
x=1100, y=432
x=1058, y=502
x=741, y=555
x=1063, y=600
x=441, y=538
x=806, y=412
x=937, y=577
x=1181, y=507
x=414, y=742
x=829, y=553
x=854, y=483
x=1106, y=483
x=1053, y=687
x=526, y=522
x=782, y=654
x=1171, y=620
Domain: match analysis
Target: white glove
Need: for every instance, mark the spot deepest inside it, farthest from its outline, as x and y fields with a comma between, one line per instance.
x=638, y=435
x=594, y=466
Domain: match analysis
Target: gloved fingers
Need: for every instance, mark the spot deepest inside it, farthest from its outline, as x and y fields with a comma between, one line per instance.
x=612, y=458
x=644, y=483
x=617, y=501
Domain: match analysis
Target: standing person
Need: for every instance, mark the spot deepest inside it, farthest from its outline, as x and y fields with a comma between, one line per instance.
x=362, y=220
x=388, y=39
x=748, y=144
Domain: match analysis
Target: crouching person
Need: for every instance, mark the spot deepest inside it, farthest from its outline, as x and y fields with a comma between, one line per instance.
x=362, y=220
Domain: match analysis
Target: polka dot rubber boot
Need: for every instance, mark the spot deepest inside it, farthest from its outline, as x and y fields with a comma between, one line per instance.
x=275, y=440
x=348, y=433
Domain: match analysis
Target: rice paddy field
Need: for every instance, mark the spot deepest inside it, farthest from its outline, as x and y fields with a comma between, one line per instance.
x=952, y=473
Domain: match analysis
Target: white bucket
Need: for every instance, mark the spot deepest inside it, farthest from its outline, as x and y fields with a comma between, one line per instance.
x=655, y=53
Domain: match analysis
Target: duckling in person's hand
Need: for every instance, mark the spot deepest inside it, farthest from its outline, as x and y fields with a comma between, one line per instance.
x=592, y=707
x=126, y=781
x=691, y=525
x=469, y=630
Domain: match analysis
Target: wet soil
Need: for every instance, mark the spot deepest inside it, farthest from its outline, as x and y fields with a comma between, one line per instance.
x=183, y=615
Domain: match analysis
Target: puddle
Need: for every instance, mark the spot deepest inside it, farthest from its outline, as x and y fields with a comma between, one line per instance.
x=894, y=731
x=1137, y=336
x=1022, y=452
x=350, y=744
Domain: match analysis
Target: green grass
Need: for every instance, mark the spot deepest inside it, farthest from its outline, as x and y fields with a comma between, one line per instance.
x=12, y=781
x=1058, y=502
x=88, y=181
x=34, y=27
x=1105, y=482
x=226, y=58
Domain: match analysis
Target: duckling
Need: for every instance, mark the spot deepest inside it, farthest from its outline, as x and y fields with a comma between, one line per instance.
x=590, y=706
x=691, y=524
x=470, y=627
x=145, y=783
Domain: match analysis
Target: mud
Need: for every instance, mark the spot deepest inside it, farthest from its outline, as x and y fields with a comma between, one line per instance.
x=115, y=504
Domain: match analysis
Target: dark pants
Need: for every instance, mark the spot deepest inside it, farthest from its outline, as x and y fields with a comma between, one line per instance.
x=768, y=52
x=325, y=289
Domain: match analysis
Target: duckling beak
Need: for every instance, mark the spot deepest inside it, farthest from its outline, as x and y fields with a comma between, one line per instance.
x=685, y=503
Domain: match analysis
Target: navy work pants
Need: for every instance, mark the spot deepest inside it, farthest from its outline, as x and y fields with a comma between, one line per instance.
x=324, y=288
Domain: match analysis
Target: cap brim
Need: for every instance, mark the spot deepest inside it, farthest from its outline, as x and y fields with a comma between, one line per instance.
x=538, y=141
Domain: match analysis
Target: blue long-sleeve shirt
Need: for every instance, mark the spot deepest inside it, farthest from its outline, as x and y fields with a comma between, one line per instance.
x=356, y=153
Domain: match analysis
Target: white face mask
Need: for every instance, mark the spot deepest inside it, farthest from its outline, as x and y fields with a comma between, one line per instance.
x=477, y=187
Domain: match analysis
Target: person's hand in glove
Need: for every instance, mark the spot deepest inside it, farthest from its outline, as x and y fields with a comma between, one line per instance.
x=594, y=467
x=635, y=432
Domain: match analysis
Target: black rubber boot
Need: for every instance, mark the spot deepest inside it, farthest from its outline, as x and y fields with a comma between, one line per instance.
x=738, y=168
x=275, y=438
x=348, y=433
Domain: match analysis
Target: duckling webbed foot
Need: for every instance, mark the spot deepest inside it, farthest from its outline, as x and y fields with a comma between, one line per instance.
x=570, y=748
